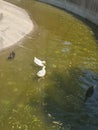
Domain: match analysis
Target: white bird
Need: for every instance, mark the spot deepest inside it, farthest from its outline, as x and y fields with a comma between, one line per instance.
x=39, y=62
x=42, y=72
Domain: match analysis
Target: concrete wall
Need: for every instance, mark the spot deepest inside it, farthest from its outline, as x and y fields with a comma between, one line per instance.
x=85, y=8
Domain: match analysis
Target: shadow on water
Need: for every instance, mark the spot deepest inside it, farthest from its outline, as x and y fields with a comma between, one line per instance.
x=91, y=25
x=64, y=102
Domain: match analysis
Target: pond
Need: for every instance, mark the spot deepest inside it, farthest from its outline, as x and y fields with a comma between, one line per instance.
x=55, y=102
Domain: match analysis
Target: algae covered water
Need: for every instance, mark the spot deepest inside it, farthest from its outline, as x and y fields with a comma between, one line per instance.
x=55, y=102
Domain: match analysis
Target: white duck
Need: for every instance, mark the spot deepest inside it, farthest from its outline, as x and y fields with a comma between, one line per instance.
x=39, y=62
x=42, y=72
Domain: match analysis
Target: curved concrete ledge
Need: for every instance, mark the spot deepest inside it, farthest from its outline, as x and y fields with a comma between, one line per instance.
x=15, y=23
x=75, y=8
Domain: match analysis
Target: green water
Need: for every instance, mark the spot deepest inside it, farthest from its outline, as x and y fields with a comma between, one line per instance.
x=56, y=102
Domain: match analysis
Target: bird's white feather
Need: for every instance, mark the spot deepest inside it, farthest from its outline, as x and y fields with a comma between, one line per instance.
x=42, y=72
x=39, y=62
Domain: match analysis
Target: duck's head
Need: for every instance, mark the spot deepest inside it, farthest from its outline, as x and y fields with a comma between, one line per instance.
x=44, y=62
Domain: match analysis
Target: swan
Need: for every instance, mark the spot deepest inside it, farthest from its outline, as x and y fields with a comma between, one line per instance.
x=42, y=72
x=39, y=62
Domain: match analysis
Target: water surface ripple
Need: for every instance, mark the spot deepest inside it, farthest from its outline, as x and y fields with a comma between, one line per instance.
x=56, y=102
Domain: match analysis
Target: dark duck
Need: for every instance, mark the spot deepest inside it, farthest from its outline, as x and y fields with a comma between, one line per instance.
x=89, y=92
x=11, y=55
